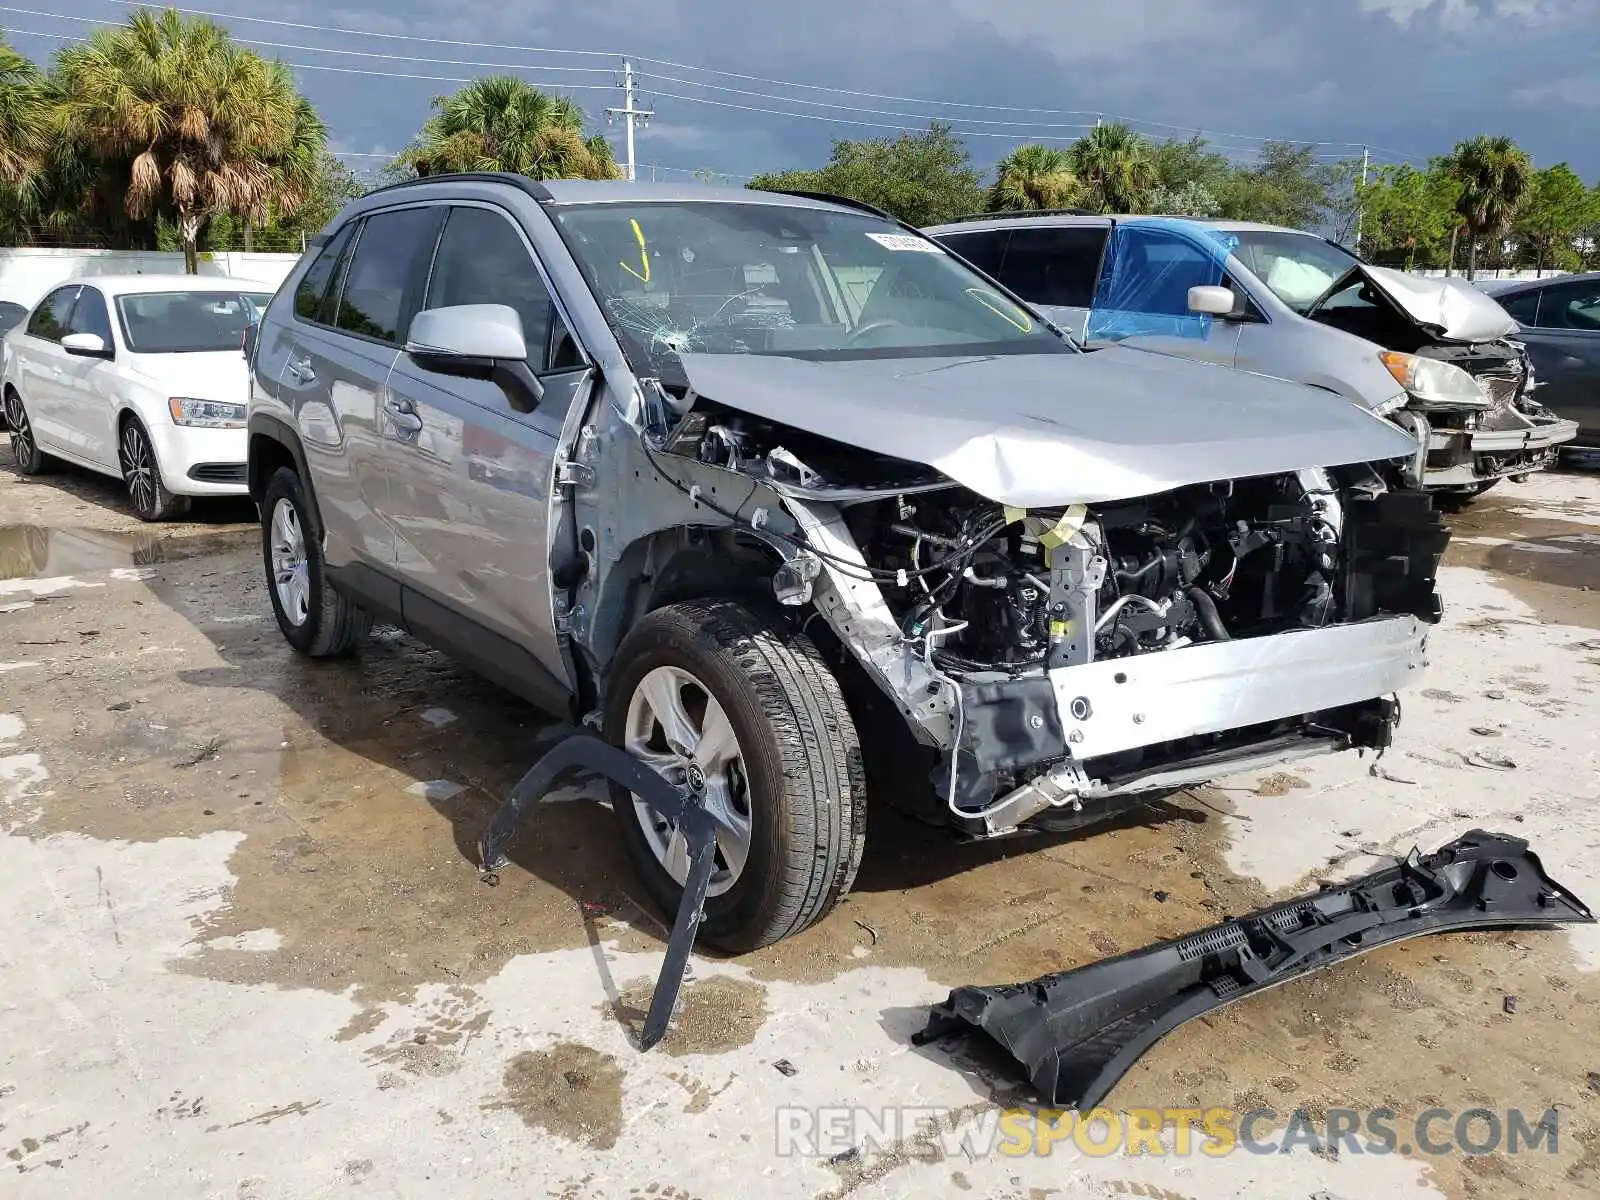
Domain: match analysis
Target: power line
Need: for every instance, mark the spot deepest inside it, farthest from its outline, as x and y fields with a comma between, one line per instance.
x=444, y=62
x=299, y=66
x=1212, y=136
x=401, y=37
x=882, y=112
x=788, y=83
x=777, y=112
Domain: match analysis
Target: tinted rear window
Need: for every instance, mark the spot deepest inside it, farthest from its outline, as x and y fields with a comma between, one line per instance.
x=1054, y=265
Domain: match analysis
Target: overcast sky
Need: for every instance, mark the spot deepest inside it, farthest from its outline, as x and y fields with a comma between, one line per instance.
x=1408, y=77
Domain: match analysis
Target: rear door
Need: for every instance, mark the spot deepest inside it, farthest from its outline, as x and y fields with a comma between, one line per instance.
x=89, y=385
x=472, y=481
x=341, y=348
x=38, y=371
x=1563, y=339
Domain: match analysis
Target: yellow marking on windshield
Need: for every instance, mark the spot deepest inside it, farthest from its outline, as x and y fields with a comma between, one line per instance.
x=1024, y=324
x=644, y=254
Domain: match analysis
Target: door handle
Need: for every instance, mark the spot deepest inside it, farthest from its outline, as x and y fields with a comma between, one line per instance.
x=300, y=368
x=403, y=416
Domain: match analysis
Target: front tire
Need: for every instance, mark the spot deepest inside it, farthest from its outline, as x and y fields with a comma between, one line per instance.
x=141, y=474
x=312, y=616
x=710, y=693
x=24, y=446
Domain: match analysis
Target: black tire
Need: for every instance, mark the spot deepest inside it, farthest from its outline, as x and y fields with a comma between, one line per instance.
x=802, y=765
x=328, y=624
x=24, y=448
x=141, y=475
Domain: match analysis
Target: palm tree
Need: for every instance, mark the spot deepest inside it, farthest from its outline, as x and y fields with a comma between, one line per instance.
x=22, y=117
x=1495, y=175
x=1115, y=167
x=501, y=123
x=202, y=124
x=1032, y=177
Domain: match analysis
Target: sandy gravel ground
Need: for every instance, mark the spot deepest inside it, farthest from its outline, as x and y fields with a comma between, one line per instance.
x=244, y=953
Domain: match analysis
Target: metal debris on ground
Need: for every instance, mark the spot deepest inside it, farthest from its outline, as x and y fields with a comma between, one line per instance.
x=576, y=749
x=1509, y=1004
x=785, y=1067
x=1077, y=1032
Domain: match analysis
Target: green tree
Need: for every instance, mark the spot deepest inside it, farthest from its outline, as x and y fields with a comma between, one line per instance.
x=1033, y=177
x=1496, y=177
x=921, y=178
x=1184, y=166
x=1556, y=212
x=502, y=123
x=1193, y=199
x=331, y=187
x=1115, y=167
x=202, y=124
x=1284, y=187
x=23, y=115
x=1588, y=240
x=1406, y=212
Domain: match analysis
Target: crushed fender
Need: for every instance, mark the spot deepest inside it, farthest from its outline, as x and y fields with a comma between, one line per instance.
x=1078, y=1032
x=582, y=750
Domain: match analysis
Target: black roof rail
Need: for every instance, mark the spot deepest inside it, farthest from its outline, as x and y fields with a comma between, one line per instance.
x=522, y=182
x=830, y=198
x=1023, y=212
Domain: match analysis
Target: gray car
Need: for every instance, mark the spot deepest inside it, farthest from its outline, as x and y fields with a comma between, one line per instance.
x=810, y=517
x=1559, y=320
x=1435, y=354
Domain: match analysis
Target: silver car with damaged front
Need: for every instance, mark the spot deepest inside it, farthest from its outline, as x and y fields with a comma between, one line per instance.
x=811, y=518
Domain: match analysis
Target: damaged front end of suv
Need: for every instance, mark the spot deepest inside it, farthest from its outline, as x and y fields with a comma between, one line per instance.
x=843, y=521
x=1056, y=649
x=1055, y=581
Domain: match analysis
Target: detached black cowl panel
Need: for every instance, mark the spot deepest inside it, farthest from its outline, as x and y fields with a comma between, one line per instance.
x=1077, y=1032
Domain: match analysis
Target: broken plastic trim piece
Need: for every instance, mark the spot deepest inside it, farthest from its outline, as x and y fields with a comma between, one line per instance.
x=583, y=750
x=1078, y=1032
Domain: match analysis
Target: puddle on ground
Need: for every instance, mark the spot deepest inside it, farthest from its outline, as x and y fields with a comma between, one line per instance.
x=570, y=1090
x=36, y=552
x=371, y=890
x=1553, y=566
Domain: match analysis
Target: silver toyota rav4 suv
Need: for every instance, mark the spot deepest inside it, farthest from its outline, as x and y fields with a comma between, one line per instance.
x=811, y=517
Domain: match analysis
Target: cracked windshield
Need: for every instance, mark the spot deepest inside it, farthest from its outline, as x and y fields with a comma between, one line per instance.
x=799, y=282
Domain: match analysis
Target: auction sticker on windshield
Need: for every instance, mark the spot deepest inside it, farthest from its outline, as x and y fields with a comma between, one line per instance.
x=904, y=241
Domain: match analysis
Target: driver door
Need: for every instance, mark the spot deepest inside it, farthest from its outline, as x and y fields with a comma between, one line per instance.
x=1142, y=297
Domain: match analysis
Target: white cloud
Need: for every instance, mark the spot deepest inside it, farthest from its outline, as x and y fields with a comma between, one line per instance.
x=1580, y=91
x=1459, y=14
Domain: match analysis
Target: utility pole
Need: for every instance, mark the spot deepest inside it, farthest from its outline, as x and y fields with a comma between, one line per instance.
x=1366, y=160
x=628, y=112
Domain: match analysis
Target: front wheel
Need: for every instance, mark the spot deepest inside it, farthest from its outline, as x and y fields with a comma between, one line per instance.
x=743, y=712
x=141, y=473
x=312, y=616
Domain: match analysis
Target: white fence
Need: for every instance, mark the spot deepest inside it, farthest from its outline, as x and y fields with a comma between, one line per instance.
x=27, y=274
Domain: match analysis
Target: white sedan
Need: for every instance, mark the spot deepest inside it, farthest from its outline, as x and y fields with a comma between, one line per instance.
x=137, y=376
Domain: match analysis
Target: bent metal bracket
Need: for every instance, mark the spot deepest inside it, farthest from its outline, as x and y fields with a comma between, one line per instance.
x=582, y=750
x=1077, y=1032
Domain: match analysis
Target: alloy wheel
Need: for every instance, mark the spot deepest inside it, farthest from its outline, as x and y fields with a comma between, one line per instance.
x=678, y=728
x=22, y=444
x=291, y=578
x=138, y=468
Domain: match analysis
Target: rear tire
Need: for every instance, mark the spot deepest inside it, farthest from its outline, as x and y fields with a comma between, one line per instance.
x=24, y=447
x=141, y=475
x=804, y=786
x=313, y=616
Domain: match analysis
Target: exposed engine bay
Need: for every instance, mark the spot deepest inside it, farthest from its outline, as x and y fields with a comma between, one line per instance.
x=1205, y=563
x=1004, y=610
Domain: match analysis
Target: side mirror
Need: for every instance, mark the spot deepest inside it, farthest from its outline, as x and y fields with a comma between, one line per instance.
x=1211, y=300
x=87, y=345
x=477, y=341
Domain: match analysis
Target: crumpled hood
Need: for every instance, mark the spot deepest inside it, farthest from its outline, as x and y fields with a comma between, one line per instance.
x=1449, y=308
x=1045, y=430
